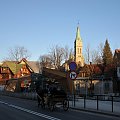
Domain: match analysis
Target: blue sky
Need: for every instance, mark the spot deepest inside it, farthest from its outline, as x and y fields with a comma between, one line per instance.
x=40, y=24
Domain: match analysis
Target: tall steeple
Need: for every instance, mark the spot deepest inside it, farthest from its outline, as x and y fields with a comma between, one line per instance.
x=78, y=46
x=78, y=37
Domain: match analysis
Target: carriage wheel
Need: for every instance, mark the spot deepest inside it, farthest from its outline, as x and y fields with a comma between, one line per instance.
x=65, y=104
x=51, y=105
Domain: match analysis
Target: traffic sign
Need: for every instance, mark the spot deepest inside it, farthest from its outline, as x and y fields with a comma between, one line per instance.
x=73, y=75
x=72, y=66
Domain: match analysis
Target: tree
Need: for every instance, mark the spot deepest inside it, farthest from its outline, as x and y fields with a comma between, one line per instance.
x=97, y=55
x=107, y=54
x=57, y=56
x=45, y=61
x=66, y=53
x=17, y=53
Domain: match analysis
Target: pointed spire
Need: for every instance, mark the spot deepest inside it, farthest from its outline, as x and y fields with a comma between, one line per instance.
x=78, y=37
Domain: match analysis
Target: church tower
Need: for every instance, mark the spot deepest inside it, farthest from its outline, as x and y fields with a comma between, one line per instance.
x=78, y=47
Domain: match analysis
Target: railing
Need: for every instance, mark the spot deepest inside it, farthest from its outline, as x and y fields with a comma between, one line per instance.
x=97, y=102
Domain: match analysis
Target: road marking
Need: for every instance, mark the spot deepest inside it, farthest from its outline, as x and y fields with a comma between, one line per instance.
x=30, y=111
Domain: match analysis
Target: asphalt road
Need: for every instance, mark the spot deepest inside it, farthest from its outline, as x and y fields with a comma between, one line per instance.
x=22, y=109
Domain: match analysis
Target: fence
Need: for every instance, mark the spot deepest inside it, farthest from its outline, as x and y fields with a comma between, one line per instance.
x=97, y=102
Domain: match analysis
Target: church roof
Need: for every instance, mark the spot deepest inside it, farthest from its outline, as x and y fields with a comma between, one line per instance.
x=78, y=37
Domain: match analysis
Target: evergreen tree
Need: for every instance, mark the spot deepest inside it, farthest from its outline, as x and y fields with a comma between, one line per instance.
x=107, y=54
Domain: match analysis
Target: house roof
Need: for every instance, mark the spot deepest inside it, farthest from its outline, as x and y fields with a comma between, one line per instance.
x=116, y=58
x=34, y=66
x=117, y=53
x=98, y=69
x=92, y=68
x=117, y=50
x=14, y=67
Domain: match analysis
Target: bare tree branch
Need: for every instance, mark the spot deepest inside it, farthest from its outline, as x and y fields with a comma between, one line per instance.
x=17, y=53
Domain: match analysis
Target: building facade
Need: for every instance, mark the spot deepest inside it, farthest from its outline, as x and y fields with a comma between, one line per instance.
x=12, y=73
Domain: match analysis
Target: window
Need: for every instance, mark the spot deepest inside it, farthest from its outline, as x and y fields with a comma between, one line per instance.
x=10, y=76
x=80, y=50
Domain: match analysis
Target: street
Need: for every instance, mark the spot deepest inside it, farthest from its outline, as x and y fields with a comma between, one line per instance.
x=22, y=109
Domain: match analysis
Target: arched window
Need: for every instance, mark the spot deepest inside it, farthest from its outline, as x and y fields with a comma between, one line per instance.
x=80, y=50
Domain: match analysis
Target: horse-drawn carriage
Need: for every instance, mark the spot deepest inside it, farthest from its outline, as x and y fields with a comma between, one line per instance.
x=52, y=96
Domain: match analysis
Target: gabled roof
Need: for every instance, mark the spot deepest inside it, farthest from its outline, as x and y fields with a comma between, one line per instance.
x=14, y=67
x=91, y=68
x=33, y=65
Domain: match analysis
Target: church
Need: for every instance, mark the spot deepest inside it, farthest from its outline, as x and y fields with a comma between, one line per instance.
x=78, y=49
x=78, y=52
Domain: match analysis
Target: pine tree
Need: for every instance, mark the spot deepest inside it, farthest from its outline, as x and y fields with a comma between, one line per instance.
x=107, y=54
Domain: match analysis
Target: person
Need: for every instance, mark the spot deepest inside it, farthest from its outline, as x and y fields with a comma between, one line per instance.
x=52, y=89
x=57, y=90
